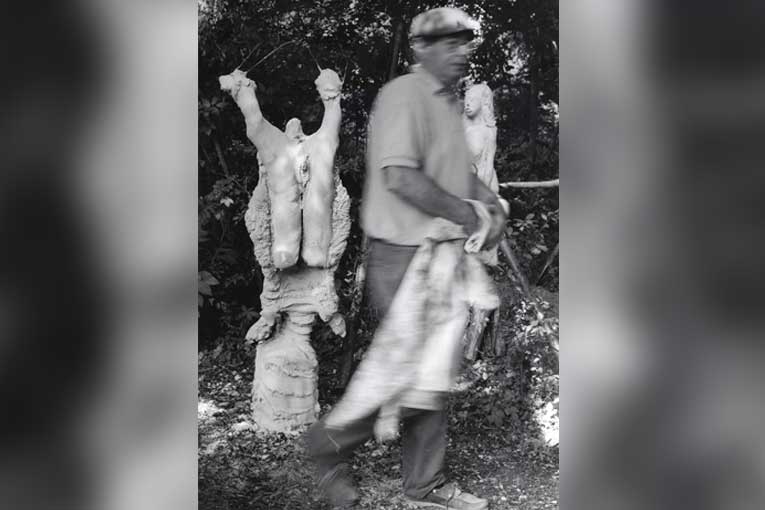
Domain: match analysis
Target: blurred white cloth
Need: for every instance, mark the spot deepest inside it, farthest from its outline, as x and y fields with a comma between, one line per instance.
x=414, y=355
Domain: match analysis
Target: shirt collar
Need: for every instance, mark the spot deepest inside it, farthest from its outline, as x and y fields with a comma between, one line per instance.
x=435, y=85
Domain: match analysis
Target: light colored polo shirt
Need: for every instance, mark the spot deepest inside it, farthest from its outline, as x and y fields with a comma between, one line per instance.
x=414, y=123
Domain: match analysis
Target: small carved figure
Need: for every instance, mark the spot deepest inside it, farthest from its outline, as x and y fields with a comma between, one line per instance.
x=481, y=132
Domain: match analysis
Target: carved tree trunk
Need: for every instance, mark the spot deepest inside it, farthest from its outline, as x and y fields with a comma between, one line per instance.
x=284, y=389
x=474, y=332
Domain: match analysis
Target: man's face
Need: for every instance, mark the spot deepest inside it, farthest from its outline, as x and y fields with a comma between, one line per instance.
x=447, y=58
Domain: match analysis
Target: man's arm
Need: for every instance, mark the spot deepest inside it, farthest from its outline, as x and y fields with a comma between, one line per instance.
x=419, y=190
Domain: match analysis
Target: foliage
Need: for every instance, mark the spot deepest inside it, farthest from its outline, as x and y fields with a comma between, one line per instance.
x=535, y=236
x=512, y=392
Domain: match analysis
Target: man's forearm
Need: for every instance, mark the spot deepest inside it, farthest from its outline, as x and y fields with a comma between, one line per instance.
x=419, y=190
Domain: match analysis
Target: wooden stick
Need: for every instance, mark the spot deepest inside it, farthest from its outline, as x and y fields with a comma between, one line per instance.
x=549, y=261
x=248, y=56
x=531, y=184
x=271, y=53
x=308, y=47
x=504, y=245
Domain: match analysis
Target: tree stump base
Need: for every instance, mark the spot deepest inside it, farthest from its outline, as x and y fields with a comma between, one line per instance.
x=284, y=388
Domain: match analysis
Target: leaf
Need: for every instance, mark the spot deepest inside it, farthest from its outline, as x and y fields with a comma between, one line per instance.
x=208, y=278
x=205, y=283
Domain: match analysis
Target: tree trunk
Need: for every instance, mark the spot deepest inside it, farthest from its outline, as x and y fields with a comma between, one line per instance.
x=398, y=35
x=284, y=388
x=533, y=106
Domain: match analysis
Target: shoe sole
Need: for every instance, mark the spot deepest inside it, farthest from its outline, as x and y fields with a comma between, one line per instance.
x=428, y=504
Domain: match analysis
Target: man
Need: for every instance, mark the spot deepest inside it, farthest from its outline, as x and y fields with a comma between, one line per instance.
x=418, y=169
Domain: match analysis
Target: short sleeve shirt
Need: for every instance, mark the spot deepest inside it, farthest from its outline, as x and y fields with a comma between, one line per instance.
x=414, y=123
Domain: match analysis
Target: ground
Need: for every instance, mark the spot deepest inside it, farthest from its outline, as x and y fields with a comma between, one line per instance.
x=241, y=468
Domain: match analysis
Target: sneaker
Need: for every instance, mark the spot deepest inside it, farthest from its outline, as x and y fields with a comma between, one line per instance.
x=338, y=488
x=450, y=497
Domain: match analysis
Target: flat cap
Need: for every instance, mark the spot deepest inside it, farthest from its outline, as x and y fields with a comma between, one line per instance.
x=441, y=22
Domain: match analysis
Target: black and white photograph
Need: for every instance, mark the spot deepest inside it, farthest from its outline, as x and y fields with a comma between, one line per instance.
x=378, y=255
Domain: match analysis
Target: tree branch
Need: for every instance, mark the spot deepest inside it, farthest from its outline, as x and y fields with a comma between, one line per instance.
x=531, y=184
x=219, y=152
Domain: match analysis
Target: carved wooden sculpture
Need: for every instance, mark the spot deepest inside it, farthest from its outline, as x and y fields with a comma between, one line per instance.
x=481, y=134
x=298, y=211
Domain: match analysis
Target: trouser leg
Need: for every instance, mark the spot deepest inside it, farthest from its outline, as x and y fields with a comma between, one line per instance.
x=331, y=448
x=423, y=449
x=423, y=432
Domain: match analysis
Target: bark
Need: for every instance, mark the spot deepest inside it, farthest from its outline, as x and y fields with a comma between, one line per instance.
x=398, y=35
x=533, y=106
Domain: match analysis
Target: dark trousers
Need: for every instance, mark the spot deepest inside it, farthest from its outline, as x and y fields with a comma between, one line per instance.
x=423, y=433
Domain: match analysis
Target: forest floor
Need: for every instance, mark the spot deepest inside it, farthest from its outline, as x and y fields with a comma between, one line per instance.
x=241, y=468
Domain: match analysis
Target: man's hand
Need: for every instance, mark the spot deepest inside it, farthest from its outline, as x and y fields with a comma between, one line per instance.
x=499, y=214
x=470, y=221
x=498, y=207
